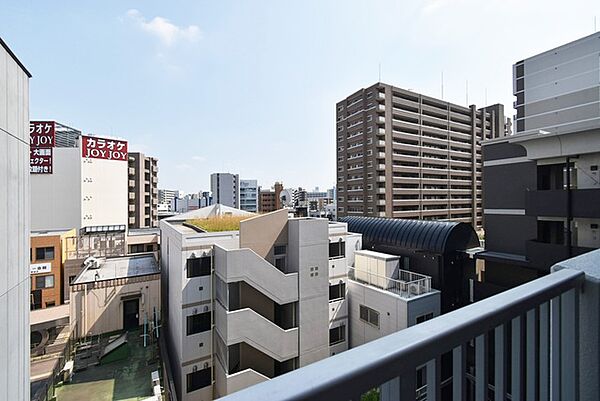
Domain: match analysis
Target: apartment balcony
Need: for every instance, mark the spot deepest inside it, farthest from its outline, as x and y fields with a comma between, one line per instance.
x=131, y=183
x=584, y=203
x=380, y=190
x=247, y=326
x=131, y=170
x=230, y=383
x=542, y=255
x=407, y=284
x=245, y=265
x=538, y=341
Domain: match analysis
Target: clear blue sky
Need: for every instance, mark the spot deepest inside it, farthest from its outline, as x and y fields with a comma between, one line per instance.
x=250, y=86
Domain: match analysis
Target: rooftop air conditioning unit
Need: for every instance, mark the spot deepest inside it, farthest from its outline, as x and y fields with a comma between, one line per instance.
x=414, y=289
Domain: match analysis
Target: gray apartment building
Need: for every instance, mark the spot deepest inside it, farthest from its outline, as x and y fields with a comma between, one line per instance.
x=405, y=155
x=542, y=185
x=225, y=188
x=143, y=191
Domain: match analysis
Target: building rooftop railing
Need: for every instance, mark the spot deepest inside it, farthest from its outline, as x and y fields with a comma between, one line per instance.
x=408, y=284
x=538, y=341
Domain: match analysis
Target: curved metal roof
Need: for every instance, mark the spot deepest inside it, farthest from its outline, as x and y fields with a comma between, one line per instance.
x=417, y=235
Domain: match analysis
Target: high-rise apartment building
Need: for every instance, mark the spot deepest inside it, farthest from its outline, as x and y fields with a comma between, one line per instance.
x=542, y=185
x=406, y=155
x=77, y=181
x=225, y=188
x=143, y=191
x=14, y=226
x=269, y=200
x=249, y=195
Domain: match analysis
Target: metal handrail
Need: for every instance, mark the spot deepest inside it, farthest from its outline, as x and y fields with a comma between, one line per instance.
x=409, y=283
x=347, y=375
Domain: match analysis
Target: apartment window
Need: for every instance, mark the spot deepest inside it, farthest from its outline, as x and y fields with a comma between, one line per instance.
x=337, y=249
x=369, y=118
x=50, y=304
x=136, y=248
x=44, y=281
x=198, y=323
x=425, y=317
x=198, y=379
x=197, y=267
x=337, y=291
x=337, y=335
x=71, y=279
x=369, y=130
x=280, y=250
x=369, y=315
x=46, y=253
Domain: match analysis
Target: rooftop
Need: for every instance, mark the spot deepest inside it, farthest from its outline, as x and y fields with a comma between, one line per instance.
x=208, y=211
x=119, y=267
x=218, y=223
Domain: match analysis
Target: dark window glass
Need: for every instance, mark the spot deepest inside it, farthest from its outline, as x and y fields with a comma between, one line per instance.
x=520, y=70
x=280, y=250
x=44, y=281
x=71, y=278
x=337, y=291
x=46, y=253
x=337, y=335
x=520, y=111
x=199, y=379
x=280, y=263
x=198, y=323
x=369, y=315
x=337, y=249
x=520, y=125
x=520, y=84
x=425, y=317
x=521, y=98
x=197, y=267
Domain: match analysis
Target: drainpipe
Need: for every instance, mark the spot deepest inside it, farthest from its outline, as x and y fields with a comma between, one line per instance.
x=569, y=217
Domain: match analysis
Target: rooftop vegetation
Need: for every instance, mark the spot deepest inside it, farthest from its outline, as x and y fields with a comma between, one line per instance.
x=218, y=223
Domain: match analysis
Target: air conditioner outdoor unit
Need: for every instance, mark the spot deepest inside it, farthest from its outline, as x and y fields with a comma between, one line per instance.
x=414, y=289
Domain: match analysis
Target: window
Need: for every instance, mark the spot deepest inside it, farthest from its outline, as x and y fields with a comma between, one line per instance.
x=50, y=304
x=425, y=317
x=337, y=291
x=198, y=379
x=136, y=248
x=44, y=281
x=337, y=335
x=280, y=250
x=198, y=323
x=280, y=263
x=46, y=253
x=197, y=267
x=337, y=249
x=71, y=278
x=369, y=315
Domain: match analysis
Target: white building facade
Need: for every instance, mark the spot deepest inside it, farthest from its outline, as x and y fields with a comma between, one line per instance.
x=14, y=227
x=271, y=297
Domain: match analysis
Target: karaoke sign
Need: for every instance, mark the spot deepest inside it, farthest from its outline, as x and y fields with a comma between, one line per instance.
x=102, y=148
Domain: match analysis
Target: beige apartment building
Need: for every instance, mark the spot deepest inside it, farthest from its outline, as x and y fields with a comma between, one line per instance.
x=143, y=191
x=405, y=155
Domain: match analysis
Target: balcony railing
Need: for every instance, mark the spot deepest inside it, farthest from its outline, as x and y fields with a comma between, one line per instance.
x=409, y=283
x=538, y=341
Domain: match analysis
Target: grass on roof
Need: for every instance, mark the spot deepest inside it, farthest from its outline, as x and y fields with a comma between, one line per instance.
x=218, y=223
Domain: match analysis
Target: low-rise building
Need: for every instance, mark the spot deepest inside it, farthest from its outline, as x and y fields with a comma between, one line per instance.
x=112, y=294
x=47, y=256
x=269, y=200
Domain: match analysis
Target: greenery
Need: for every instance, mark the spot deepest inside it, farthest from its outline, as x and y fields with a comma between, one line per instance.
x=218, y=223
x=371, y=395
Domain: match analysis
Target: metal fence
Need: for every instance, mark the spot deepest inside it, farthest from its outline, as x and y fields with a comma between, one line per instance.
x=409, y=283
x=527, y=334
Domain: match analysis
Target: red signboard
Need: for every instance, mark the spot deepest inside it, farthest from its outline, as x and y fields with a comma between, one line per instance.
x=40, y=160
x=102, y=148
x=41, y=141
x=41, y=134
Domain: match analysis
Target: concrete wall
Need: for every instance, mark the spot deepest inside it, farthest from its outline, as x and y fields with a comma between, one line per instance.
x=14, y=229
x=395, y=312
x=56, y=198
x=261, y=233
x=587, y=235
x=101, y=311
x=308, y=251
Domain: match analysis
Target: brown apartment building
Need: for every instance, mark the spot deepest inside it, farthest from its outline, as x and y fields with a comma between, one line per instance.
x=269, y=201
x=405, y=155
x=143, y=191
x=47, y=256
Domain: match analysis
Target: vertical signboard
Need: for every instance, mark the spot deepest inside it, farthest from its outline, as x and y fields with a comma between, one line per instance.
x=102, y=148
x=41, y=141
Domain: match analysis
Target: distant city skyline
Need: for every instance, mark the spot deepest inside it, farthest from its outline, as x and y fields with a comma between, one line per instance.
x=252, y=90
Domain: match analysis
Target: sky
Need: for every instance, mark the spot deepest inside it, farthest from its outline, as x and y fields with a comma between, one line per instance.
x=250, y=87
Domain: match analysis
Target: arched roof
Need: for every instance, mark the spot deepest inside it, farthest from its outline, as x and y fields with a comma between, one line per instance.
x=417, y=235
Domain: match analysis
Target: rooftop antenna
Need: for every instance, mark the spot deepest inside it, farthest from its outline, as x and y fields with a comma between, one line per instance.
x=442, y=84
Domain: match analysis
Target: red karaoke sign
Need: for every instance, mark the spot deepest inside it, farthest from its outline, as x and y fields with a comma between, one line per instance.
x=102, y=148
x=41, y=141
